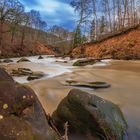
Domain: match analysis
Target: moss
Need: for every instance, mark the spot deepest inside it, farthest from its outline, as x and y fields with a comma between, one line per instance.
x=120, y=129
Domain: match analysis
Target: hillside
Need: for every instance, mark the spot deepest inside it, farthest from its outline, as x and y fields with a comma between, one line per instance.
x=35, y=42
x=125, y=45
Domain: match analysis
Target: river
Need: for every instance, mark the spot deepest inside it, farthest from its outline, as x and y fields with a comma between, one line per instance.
x=124, y=77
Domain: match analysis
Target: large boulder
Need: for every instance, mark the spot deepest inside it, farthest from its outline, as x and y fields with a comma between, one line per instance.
x=21, y=114
x=90, y=116
x=85, y=62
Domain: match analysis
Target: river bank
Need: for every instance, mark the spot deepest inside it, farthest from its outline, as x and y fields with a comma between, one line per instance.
x=123, y=76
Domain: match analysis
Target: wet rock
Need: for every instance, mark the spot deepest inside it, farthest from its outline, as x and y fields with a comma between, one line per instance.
x=23, y=60
x=65, y=61
x=4, y=77
x=21, y=114
x=7, y=61
x=36, y=75
x=8, y=93
x=25, y=99
x=61, y=61
x=40, y=57
x=85, y=62
x=94, y=85
x=90, y=115
x=21, y=130
x=21, y=72
x=32, y=75
x=34, y=112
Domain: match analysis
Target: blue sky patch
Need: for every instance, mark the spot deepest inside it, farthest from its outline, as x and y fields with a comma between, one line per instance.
x=54, y=12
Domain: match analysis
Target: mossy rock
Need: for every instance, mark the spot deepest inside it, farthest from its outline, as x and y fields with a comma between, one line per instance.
x=85, y=62
x=89, y=114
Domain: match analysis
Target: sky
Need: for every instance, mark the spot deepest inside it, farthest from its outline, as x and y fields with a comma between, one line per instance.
x=54, y=12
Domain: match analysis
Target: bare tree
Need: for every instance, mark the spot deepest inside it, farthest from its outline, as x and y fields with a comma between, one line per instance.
x=8, y=11
x=82, y=7
x=16, y=21
x=25, y=22
x=118, y=14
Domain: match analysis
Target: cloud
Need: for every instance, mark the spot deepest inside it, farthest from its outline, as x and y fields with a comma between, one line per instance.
x=30, y=2
x=57, y=12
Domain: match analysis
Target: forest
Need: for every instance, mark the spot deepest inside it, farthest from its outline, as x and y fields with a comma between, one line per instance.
x=97, y=20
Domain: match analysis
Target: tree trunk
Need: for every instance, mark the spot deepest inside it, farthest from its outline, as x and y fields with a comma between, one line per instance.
x=1, y=33
x=22, y=38
x=95, y=17
x=125, y=4
x=114, y=15
x=12, y=37
x=119, y=15
x=109, y=15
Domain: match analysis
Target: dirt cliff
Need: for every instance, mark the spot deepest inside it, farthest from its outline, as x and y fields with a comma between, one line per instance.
x=124, y=45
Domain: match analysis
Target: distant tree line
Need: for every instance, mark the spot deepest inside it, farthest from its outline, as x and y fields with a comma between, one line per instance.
x=15, y=21
x=12, y=12
x=98, y=18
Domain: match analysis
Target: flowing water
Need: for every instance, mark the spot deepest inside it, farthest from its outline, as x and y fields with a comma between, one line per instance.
x=48, y=66
x=124, y=77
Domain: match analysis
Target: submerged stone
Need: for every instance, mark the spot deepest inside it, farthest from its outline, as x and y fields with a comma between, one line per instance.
x=94, y=85
x=21, y=72
x=35, y=75
x=23, y=60
x=7, y=60
x=85, y=62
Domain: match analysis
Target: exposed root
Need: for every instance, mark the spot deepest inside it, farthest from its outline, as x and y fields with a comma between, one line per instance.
x=52, y=125
x=65, y=137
